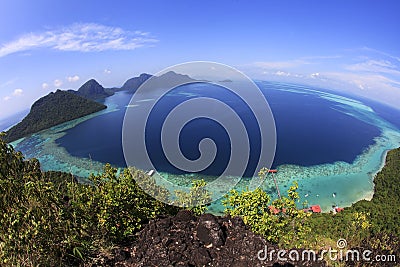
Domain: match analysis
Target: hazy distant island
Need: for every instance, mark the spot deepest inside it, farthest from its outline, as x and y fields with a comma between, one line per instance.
x=62, y=106
x=169, y=79
x=134, y=83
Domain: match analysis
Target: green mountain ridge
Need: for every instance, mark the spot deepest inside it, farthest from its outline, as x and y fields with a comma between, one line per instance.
x=63, y=106
x=51, y=110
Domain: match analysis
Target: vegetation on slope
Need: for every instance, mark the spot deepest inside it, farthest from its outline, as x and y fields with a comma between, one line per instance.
x=289, y=227
x=49, y=219
x=51, y=110
x=45, y=220
x=366, y=219
x=372, y=225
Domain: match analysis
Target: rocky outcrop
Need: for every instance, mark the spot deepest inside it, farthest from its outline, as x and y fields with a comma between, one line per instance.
x=187, y=240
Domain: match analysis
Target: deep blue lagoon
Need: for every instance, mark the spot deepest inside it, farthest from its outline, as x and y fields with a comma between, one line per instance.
x=311, y=130
x=329, y=143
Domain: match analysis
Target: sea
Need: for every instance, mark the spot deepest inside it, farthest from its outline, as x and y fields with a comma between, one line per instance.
x=332, y=144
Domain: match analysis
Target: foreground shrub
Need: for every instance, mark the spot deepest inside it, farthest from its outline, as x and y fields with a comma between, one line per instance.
x=279, y=221
x=45, y=220
x=196, y=200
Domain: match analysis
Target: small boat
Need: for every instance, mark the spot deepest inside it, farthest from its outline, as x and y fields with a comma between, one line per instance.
x=334, y=195
x=151, y=172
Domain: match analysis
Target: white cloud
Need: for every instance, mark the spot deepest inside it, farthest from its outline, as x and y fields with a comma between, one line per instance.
x=83, y=37
x=58, y=83
x=8, y=83
x=107, y=71
x=74, y=78
x=381, y=53
x=18, y=92
x=371, y=81
x=45, y=86
x=322, y=57
x=371, y=85
x=374, y=66
x=375, y=75
x=280, y=64
x=282, y=73
x=315, y=75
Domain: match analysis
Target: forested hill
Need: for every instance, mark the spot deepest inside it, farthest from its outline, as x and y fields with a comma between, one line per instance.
x=92, y=90
x=53, y=109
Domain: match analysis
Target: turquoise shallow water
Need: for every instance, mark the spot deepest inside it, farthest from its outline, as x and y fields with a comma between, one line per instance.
x=338, y=183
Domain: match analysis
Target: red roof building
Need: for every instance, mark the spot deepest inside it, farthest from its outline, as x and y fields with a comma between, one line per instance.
x=337, y=209
x=315, y=209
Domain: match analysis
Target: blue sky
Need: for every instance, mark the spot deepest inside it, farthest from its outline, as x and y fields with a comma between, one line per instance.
x=351, y=46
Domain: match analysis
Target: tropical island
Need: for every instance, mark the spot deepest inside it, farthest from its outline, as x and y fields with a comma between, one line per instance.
x=51, y=110
x=62, y=106
x=59, y=107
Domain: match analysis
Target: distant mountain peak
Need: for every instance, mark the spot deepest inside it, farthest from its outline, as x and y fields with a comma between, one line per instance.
x=165, y=79
x=134, y=83
x=91, y=86
x=145, y=75
x=173, y=73
x=92, y=90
